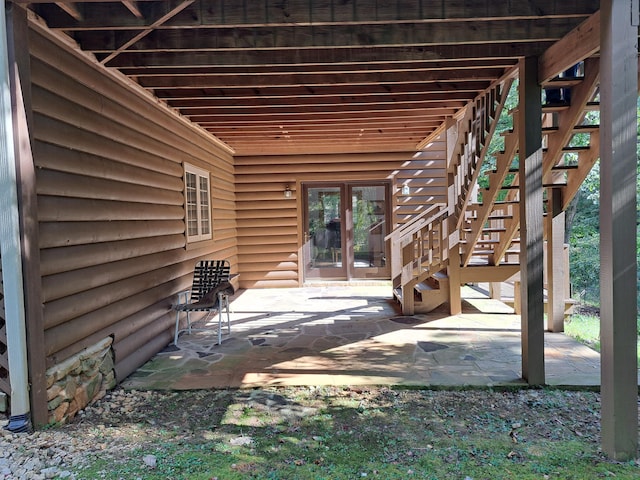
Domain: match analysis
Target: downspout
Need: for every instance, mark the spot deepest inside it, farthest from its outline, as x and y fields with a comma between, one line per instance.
x=10, y=251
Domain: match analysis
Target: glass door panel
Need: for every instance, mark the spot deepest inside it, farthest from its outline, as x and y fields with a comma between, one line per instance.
x=344, y=229
x=367, y=231
x=323, y=243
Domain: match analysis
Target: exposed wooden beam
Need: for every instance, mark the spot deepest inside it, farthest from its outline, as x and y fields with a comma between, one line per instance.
x=320, y=67
x=437, y=100
x=133, y=7
x=321, y=114
x=261, y=122
x=393, y=33
x=147, y=31
x=580, y=43
x=409, y=52
x=316, y=79
x=71, y=9
x=234, y=14
x=318, y=91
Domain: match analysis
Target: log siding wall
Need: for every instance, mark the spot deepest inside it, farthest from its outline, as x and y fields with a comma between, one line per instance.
x=111, y=207
x=270, y=225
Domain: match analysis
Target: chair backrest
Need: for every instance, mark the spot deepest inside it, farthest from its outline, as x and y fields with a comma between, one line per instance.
x=207, y=275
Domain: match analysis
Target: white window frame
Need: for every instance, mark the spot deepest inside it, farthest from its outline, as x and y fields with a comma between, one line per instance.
x=194, y=204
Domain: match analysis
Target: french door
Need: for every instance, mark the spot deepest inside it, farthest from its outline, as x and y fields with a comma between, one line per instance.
x=344, y=229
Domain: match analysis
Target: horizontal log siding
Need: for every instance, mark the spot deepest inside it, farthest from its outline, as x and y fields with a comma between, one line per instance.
x=110, y=207
x=269, y=224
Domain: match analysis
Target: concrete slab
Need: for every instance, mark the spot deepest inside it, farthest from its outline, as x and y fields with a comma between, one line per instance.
x=356, y=335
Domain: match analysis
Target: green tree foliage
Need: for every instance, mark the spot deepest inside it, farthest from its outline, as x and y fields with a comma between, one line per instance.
x=505, y=123
x=583, y=232
x=583, y=229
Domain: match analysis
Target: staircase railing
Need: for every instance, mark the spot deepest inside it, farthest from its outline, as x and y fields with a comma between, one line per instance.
x=418, y=250
x=473, y=139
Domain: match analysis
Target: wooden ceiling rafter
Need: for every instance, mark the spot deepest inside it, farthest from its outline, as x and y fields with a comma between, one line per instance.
x=355, y=67
x=147, y=31
x=353, y=76
x=314, y=79
x=71, y=9
x=133, y=7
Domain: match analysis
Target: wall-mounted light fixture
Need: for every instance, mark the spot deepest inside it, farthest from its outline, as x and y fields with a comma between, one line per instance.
x=405, y=189
x=287, y=192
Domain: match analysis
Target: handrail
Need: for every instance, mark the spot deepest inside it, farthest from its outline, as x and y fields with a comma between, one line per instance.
x=418, y=251
x=415, y=224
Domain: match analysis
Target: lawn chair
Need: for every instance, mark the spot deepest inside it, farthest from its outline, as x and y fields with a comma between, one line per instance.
x=210, y=292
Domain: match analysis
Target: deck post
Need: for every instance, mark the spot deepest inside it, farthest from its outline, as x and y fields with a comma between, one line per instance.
x=556, y=275
x=531, y=226
x=20, y=84
x=455, y=299
x=618, y=220
x=11, y=255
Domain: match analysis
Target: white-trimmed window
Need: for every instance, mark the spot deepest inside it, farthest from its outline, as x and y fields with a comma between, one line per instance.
x=197, y=194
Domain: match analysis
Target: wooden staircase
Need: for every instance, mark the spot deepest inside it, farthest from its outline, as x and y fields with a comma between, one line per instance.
x=481, y=226
x=419, y=256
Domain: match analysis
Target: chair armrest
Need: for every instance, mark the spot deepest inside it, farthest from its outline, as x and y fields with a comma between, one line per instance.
x=183, y=297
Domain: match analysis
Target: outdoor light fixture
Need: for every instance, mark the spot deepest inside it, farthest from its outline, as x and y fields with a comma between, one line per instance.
x=405, y=189
x=287, y=192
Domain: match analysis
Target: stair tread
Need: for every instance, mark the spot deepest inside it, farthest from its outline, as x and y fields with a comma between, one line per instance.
x=586, y=128
x=564, y=167
x=501, y=264
x=571, y=148
x=424, y=286
x=561, y=82
x=554, y=108
x=576, y=128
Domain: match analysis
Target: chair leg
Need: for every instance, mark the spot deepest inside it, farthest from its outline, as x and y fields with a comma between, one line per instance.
x=219, y=318
x=226, y=305
x=223, y=303
x=228, y=319
x=175, y=335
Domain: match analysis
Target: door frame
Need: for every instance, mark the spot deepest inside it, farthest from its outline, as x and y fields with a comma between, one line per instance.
x=348, y=269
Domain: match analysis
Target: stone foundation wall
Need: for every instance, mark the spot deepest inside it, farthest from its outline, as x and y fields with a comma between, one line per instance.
x=79, y=381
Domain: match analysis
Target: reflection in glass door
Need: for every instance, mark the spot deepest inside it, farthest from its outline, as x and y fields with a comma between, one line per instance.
x=323, y=233
x=368, y=228
x=344, y=227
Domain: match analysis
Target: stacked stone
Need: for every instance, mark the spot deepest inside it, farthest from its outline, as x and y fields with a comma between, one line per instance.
x=79, y=381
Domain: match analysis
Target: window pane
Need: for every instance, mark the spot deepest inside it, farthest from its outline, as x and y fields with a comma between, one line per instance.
x=204, y=206
x=197, y=203
x=192, y=204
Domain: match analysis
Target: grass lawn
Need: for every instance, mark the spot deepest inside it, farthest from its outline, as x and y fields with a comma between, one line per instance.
x=586, y=329
x=348, y=433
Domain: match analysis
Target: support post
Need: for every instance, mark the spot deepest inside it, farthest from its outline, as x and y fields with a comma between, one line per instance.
x=618, y=220
x=531, y=227
x=20, y=419
x=453, y=239
x=20, y=84
x=556, y=275
x=495, y=290
x=455, y=297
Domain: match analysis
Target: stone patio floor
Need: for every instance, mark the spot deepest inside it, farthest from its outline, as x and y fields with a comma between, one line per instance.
x=356, y=335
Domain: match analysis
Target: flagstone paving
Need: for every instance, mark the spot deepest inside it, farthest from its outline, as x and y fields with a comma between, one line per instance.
x=356, y=335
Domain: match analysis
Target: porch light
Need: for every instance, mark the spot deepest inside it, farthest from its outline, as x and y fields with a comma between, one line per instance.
x=405, y=189
x=287, y=192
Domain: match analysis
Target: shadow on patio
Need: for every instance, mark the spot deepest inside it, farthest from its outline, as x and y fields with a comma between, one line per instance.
x=356, y=335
